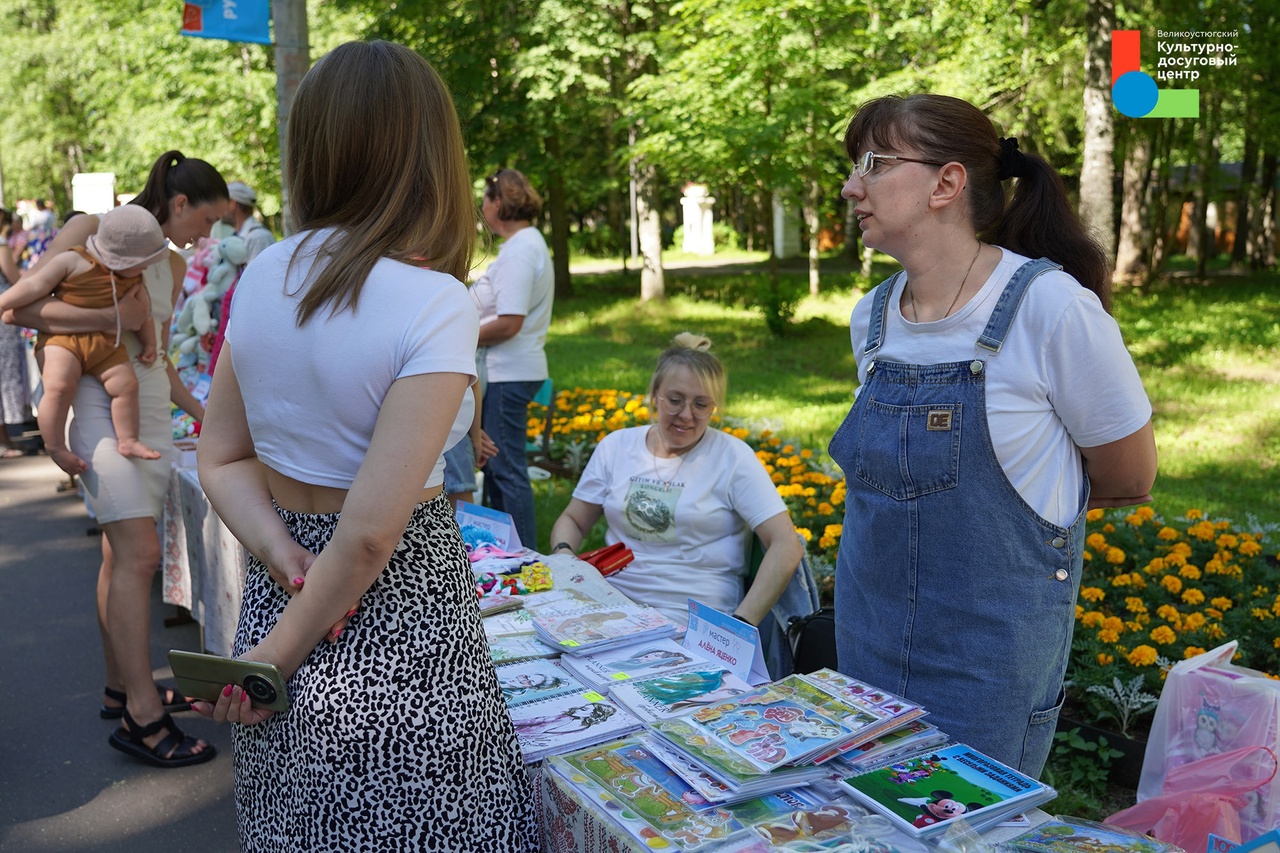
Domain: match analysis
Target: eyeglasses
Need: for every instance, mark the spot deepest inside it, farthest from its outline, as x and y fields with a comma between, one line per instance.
x=864, y=164
x=672, y=406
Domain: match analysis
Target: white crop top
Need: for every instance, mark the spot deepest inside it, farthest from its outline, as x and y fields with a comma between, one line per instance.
x=312, y=393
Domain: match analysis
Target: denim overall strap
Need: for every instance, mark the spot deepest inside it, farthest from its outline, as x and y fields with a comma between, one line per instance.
x=992, y=337
x=880, y=314
x=950, y=589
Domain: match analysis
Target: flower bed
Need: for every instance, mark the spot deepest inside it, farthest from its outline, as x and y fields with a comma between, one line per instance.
x=1152, y=592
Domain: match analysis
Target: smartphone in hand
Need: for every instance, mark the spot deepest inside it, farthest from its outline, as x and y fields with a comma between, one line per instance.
x=201, y=676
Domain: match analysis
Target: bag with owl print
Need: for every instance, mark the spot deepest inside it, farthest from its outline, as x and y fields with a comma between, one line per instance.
x=1211, y=706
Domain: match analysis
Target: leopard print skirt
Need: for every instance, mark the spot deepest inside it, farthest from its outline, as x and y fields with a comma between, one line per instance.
x=398, y=738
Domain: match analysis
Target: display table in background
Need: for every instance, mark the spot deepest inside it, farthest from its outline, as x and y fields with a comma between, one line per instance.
x=203, y=563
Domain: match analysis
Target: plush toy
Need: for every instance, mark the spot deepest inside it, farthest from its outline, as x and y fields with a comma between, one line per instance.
x=196, y=317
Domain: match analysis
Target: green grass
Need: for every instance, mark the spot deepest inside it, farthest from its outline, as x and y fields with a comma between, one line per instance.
x=1208, y=352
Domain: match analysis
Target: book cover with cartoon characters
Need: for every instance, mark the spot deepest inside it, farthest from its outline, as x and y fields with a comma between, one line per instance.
x=926, y=794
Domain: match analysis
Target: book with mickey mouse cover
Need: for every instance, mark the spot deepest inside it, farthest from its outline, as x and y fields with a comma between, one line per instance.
x=926, y=794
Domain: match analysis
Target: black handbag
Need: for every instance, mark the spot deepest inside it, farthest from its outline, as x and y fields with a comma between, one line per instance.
x=813, y=640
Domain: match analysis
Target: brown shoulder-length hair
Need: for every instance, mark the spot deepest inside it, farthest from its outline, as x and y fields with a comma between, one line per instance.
x=374, y=151
x=516, y=197
x=173, y=174
x=1039, y=221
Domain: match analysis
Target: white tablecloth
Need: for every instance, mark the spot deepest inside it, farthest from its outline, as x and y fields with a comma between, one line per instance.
x=203, y=563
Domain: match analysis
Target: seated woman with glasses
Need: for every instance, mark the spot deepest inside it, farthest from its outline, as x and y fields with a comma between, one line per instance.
x=685, y=499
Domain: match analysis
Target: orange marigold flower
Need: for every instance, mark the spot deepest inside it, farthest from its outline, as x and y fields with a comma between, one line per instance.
x=1189, y=572
x=1146, y=512
x=1168, y=612
x=1095, y=540
x=1108, y=636
x=1092, y=593
x=1155, y=566
x=1135, y=605
x=1163, y=635
x=1143, y=656
x=806, y=533
x=1173, y=558
x=1115, y=556
x=1222, y=603
x=1090, y=619
x=1193, y=514
x=1172, y=583
x=1168, y=534
x=1195, y=621
x=1227, y=541
x=1093, y=515
x=1108, y=528
x=1250, y=548
x=1191, y=651
x=1193, y=596
x=1115, y=623
x=1105, y=659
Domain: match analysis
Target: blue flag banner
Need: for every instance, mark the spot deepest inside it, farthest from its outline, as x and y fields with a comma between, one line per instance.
x=233, y=20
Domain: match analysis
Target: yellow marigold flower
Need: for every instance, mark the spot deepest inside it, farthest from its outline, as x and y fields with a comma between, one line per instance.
x=1227, y=540
x=1172, y=583
x=1143, y=656
x=1168, y=534
x=806, y=533
x=1173, y=558
x=806, y=454
x=1120, y=580
x=1203, y=531
x=1214, y=612
x=1155, y=566
x=1108, y=636
x=1134, y=625
x=1095, y=540
x=1105, y=659
x=1182, y=548
x=1222, y=603
x=826, y=542
x=1135, y=605
x=1092, y=593
x=1193, y=514
x=1195, y=621
x=1223, y=524
x=1133, y=519
x=1215, y=632
x=1250, y=548
x=1090, y=619
x=1115, y=556
x=825, y=508
x=833, y=530
x=1146, y=512
x=789, y=449
x=1163, y=635
x=1189, y=572
x=1137, y=581
x=1093, y=515
x=1115, y=623
x=1168, y=612
x=777, y=477
x=741, y=432
x=1193, y=596
x=1191, y=651
x=1108, y=528
x=1275, y=644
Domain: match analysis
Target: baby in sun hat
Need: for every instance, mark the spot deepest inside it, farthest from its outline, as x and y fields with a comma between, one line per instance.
x=94, y=276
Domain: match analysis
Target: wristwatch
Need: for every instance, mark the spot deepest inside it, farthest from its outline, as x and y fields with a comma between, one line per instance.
x=560, y=545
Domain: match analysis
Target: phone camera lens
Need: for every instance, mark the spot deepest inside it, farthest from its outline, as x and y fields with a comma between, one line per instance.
x=259, y=689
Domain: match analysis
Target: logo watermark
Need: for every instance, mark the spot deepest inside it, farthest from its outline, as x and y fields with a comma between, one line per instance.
x=1184, y=55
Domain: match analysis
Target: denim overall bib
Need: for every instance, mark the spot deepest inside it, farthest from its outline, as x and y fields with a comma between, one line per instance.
x=950, y=589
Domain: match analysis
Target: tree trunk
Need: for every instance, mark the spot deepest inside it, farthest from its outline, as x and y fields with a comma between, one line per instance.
x=1160, y=201
x=1244, y=201
x=1135, y=239
x=652, y=285
x=293, y=59
x=813, y=220
x=1262, y=253
x=1097, y=206
x=1206, y=246
x=559, y=216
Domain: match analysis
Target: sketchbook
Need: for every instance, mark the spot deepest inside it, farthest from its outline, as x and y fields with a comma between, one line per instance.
x=600, y=627
x=534, y=679
x=663, y=696
x=604, y=669
x=569, y=721
x=924, y=795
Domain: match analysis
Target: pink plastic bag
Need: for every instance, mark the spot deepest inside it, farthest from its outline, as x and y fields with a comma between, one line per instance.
x=1206, y=796
x=1210, y=706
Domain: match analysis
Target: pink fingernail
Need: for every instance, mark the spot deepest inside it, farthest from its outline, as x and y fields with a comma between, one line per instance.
x=337, y=634
x=352, y=612
x=226, y=691
x=244, y=697
x=298, y=581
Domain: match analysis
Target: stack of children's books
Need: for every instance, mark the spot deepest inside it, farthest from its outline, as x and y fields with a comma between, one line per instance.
x=599, y=626
x=656, y=807
x=553, y=712
x=925, y=795
x=604, y=669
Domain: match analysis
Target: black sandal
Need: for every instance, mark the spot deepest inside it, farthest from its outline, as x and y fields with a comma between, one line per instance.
x=173, y=701
x=176, y=750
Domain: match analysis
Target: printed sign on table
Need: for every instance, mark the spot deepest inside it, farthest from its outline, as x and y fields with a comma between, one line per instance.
x=732, y=642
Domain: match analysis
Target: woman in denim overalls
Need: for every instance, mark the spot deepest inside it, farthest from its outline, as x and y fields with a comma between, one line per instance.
x=989, y=382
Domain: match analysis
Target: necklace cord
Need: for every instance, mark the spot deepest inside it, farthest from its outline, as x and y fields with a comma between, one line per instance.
x=915, y=317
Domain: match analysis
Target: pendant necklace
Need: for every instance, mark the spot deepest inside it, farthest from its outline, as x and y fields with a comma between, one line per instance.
x=667, y=482
x=915, y=318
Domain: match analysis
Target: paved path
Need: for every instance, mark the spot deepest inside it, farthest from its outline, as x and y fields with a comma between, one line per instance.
x=62, y=788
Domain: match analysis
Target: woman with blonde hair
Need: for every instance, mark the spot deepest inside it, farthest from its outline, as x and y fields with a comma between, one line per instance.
x=359, y=588
x=685, y=499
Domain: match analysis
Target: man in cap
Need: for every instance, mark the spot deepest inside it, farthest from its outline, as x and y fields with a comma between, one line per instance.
x=256, y=236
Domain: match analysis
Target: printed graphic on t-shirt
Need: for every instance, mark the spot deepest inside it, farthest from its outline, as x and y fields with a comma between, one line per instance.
x=651, y=510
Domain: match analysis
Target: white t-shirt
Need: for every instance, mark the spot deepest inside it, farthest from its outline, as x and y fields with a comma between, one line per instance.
x=312, y=393
x=688, y=520
x=520, y=281
x=1063, y=379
